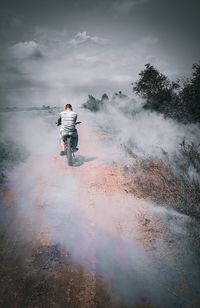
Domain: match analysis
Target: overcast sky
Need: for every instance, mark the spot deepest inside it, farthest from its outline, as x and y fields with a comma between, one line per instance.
x=56, y=50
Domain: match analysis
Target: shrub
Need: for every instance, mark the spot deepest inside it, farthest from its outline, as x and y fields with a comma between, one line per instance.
x=94, y=104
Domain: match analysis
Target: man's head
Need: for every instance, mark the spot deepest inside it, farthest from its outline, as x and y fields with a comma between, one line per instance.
x=68, y=107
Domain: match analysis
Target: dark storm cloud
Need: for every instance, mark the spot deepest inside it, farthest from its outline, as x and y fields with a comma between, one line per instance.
x=175, y=21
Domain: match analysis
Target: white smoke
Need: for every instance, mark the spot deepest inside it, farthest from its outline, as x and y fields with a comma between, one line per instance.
x=32, y=131
x=148, y=133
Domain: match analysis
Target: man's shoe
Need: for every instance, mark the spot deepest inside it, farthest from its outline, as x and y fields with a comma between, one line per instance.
x=62, y=153
x=76, y=149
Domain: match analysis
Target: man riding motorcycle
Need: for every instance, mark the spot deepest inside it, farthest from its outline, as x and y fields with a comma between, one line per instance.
x=67, y=120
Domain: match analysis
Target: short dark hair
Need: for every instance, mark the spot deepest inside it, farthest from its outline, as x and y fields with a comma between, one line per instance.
x=68, y=106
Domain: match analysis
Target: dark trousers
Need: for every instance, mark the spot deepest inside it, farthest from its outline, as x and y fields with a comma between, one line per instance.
x=74, y=135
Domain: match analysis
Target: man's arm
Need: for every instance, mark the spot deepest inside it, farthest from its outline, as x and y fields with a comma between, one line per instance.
x=59, y=121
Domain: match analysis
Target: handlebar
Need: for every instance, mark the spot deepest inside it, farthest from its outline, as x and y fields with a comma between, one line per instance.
x=58, y=124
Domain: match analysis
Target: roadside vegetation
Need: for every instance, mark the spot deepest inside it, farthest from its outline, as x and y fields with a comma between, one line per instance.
x=179, y=100
x=172, y=180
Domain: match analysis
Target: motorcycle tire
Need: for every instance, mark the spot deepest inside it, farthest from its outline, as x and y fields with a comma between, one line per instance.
x=69, y=151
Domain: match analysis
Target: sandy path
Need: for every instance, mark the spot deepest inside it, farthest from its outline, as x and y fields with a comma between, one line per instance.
x=78, y=230
x=103, y=195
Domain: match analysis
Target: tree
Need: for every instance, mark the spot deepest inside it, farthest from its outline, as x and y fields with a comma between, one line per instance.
x=104, y=98
x=155, y=87
x=190, y=95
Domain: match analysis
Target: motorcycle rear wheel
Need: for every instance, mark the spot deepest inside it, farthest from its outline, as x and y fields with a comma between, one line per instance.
x=69, y=151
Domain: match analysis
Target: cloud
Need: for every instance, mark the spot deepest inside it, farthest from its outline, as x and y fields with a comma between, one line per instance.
x=11, y=26
x=126, y=5
x=83, y=37
x=149, y=40
x=73, y=70
x=23, y=50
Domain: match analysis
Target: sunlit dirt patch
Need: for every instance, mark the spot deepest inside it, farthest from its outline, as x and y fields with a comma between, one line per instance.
x=111, y=207
x=107, y=178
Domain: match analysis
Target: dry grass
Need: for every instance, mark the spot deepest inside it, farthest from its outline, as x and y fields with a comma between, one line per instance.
x=156, y=180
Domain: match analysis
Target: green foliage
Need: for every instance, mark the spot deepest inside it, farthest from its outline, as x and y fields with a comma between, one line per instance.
x=156, y=88
x=190, y=95
x=162, y=95
x=151, y=83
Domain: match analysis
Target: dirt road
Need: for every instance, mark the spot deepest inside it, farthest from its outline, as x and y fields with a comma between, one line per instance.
x=75, y=237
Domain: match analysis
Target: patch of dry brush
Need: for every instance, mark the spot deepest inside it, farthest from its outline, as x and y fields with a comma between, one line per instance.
x=156, y=180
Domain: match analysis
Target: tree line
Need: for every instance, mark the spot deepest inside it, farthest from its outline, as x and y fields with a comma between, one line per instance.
x=178, y=99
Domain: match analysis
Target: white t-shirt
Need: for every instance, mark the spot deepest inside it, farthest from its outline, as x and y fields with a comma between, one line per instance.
x=68, y=120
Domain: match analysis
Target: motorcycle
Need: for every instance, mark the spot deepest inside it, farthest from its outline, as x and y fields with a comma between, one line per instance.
x=69, y=149
x=68, y=146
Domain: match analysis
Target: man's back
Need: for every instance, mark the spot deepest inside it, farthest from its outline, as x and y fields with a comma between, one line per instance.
x=68, y=120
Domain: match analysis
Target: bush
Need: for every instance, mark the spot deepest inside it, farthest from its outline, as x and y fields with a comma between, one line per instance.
x=94, y=104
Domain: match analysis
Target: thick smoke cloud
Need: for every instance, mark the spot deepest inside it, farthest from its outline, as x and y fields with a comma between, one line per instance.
x=48, y=204
x=48, y=207
x=148, y=133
